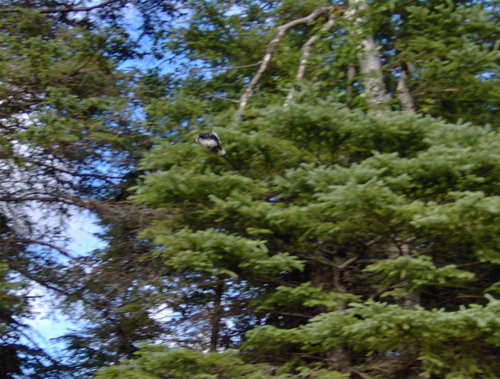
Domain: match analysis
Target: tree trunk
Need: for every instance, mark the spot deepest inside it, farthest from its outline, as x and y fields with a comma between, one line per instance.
x=351, y=74
x=404, y=95
x=370, y=65
x=340, y=359
x=271, y=47
x=216, y=316
x=306, y=54
x=411, y=300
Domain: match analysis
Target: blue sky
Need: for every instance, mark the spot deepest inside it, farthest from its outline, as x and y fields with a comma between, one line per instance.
x=47, y=322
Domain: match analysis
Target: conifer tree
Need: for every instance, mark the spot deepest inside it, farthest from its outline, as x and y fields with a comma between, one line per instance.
x=68, y=137
x=349, y=231
x=351, y=228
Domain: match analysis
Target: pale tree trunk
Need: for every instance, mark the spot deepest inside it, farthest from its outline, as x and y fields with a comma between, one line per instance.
x=404, y=95
x=330, y=277
x=271, y=47
x=351, y=74
x=395, y=250
x=409, y=301
x=370, y=65
x=306, y=54
x=371, y=69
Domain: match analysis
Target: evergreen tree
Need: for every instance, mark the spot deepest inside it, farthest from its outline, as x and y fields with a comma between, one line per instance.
x=68, y=138
x=351, y=228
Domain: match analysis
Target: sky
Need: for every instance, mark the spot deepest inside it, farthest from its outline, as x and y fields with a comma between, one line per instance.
x=47, y=322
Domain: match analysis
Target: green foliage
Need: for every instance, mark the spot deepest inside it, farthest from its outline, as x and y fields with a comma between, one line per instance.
x=218, y=252
x=158, y=362
x=415, y=272
x=438, y=336
x=306, y=295
x=10, y=303
x=66, y=137
x=18, y=356
x=329, y=242
x=454, y=49
x=64, y=100
x=390, y=216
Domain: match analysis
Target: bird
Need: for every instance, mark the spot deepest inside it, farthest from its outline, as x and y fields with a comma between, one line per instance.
x=211, y=141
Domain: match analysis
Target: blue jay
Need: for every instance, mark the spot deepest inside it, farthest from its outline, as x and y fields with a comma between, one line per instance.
x=211, y=141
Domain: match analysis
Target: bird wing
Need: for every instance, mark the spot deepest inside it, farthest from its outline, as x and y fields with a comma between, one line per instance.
x=215, y=136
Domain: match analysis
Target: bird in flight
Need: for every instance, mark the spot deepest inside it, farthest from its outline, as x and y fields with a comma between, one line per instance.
x=211, y=141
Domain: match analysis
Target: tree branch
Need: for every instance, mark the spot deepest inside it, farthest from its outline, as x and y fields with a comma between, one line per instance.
x=306, y=53
x=63, y=10
x=271, y=47
x=107, y=178
x=47, y=244
x=52, y=198
x=221, y=97
x=64, y=199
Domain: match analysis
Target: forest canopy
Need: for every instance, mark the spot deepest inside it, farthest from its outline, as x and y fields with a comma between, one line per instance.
x=350, y=230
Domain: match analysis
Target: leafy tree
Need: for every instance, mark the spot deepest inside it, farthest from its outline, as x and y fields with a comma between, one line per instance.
x=350, y=230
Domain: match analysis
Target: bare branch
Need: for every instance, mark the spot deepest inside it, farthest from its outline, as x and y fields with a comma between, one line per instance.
x=63, y=10
x=27, y=274
x=271, y=47
x=221, y=97
x=107, y=178
x=363, y=376
x=306, y=53
x=223, y=68
x=348, y=262
x=291, y=314
x=51, y=198
x=47, y=244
